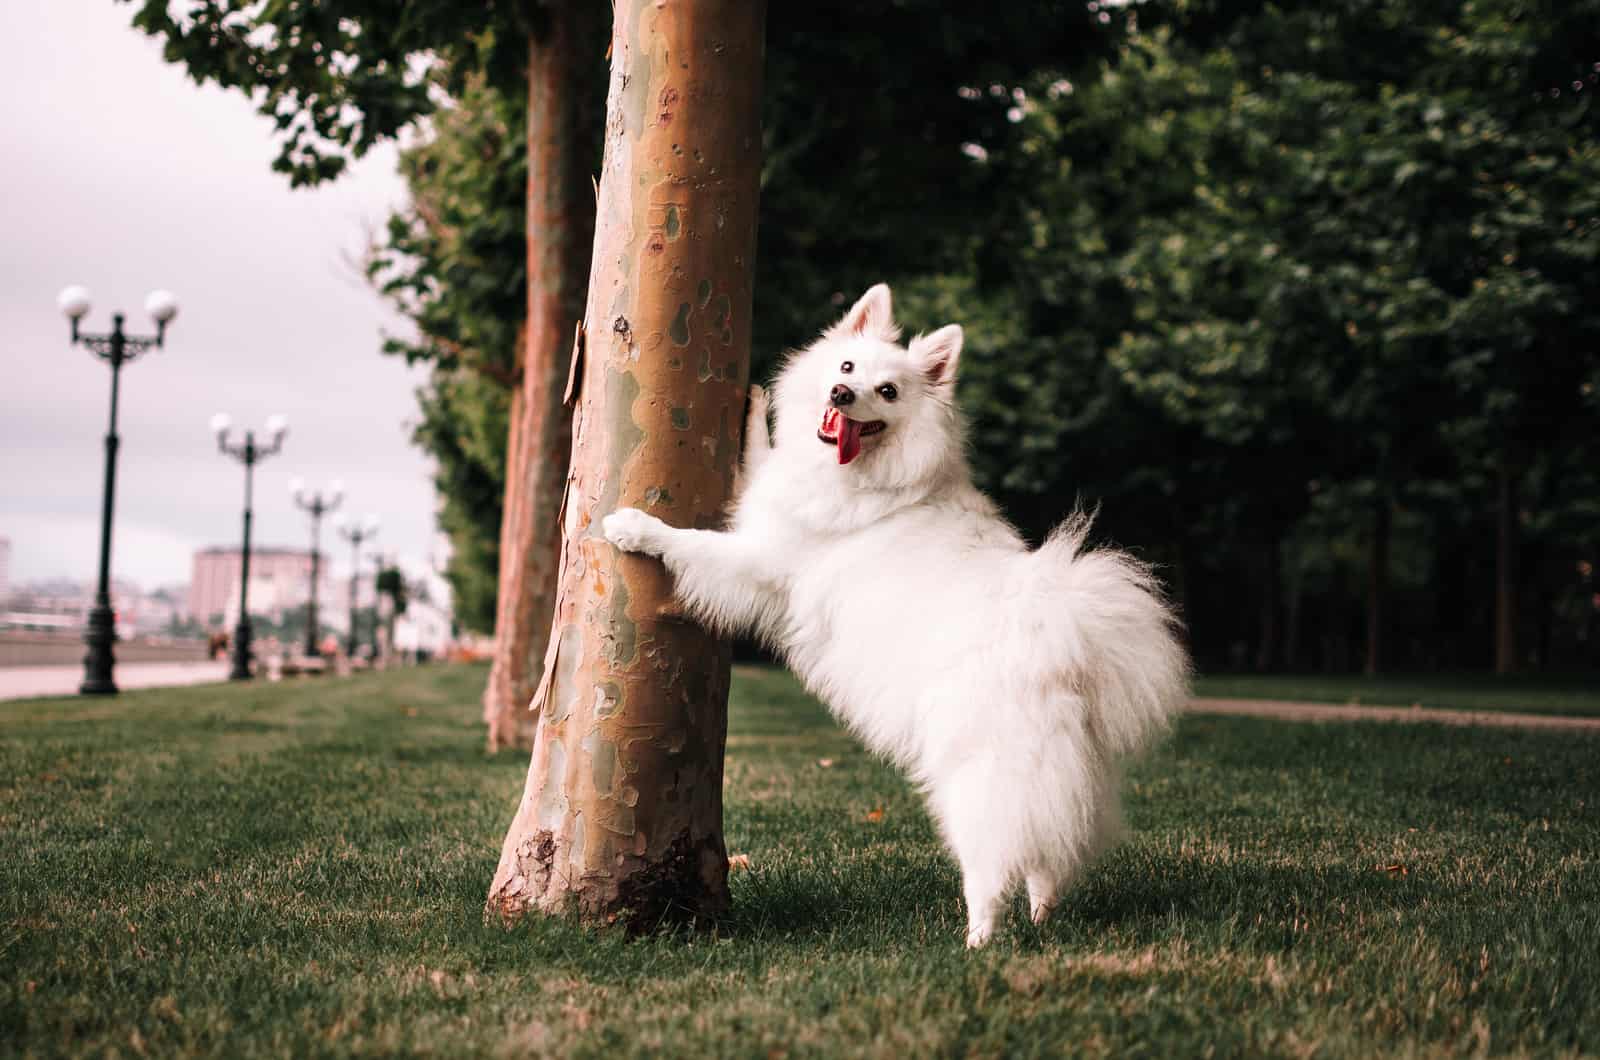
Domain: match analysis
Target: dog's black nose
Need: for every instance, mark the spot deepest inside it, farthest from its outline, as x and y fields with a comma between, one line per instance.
x=841, y=396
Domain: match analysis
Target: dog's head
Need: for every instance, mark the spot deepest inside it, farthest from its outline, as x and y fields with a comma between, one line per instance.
x=867, y=403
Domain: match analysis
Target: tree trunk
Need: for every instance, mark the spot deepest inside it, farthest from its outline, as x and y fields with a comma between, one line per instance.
x=500, y=712
x=1591, y=608
x=1377, y=583
x=1505, y=573
x=621, y=819
x=1291, y=622
x=563, y=128
x=1547, y=618
x=1183, y=580
x=1272, y=589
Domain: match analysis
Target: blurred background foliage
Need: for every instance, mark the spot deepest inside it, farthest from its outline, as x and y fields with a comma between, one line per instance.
x=1302, y=295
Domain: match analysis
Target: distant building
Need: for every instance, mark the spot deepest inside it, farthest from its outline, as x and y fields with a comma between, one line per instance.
x=5, y=569
x=280, y=580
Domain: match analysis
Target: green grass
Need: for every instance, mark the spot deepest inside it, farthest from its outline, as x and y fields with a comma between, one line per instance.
x=1535, y=694
x=299, y=870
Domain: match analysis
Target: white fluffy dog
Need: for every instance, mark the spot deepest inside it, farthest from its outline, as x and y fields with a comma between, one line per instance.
x=1007, y=682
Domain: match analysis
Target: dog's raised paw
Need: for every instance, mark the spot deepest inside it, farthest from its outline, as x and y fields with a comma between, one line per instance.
x=630, y=529
x=760, y=401
x=757, y=434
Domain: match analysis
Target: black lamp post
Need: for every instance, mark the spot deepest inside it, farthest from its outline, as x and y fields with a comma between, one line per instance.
x=247, y=454
x=318, y=504
x=116, y=349
x=355, y=533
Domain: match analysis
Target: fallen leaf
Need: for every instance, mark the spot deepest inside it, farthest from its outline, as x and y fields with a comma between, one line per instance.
x=1397, y=869
x=738, y=862
x=825, y=763
x=875, y=814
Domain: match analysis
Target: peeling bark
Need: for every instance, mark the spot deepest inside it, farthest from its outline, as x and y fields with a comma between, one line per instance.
x=621, y=818
x=563, y=118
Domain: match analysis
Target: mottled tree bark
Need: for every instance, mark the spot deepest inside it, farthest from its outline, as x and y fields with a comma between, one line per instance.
x=563, y=128
x=621, y=819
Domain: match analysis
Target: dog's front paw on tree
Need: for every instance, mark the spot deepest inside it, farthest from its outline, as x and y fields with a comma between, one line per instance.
x=632, y=530
x=621, y=818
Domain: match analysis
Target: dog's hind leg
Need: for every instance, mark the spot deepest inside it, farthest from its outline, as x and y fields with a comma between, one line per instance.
x=984, y=889
x=1049, y=878
x=969, y=817
x=1044, y=889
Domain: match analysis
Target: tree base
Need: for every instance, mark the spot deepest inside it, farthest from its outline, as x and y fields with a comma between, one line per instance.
x=688, y=885
x=511, y=722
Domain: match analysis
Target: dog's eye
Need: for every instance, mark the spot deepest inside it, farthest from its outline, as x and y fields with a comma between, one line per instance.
x=847, y=367
x=888, y=392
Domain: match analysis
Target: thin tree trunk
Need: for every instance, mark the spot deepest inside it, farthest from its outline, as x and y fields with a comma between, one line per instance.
x=563, y=130
x=499, y=695
x=1377, y=583
x=1183, y=580
x=621, y=819
x=1591, y=607
x=1505, y=574
x=1547, y=617
x=1267, y=645
x=1291, y=622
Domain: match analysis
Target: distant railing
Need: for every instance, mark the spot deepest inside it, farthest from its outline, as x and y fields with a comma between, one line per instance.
x=32, y=647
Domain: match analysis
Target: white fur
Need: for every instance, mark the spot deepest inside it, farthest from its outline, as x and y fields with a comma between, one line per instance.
x=1006, y=681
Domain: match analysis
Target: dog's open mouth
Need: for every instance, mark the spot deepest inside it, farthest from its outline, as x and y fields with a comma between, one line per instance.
x=846, y=433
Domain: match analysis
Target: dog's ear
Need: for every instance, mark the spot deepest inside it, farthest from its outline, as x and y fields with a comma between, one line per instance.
x=937, y=354
x=871, y=317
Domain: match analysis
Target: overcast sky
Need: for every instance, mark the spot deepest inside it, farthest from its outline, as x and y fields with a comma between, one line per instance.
x=122, y=175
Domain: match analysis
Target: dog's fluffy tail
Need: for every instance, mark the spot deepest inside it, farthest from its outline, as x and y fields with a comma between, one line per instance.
x=1128, y=664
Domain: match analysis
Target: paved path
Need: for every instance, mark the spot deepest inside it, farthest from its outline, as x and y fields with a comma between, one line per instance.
x=1272, y=708
x=23, y=682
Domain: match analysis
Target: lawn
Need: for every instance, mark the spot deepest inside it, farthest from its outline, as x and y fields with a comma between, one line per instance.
x=1530, y=694
x=299, y=870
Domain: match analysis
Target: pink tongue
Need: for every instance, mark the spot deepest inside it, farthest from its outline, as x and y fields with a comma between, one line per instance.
x=849, y=439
